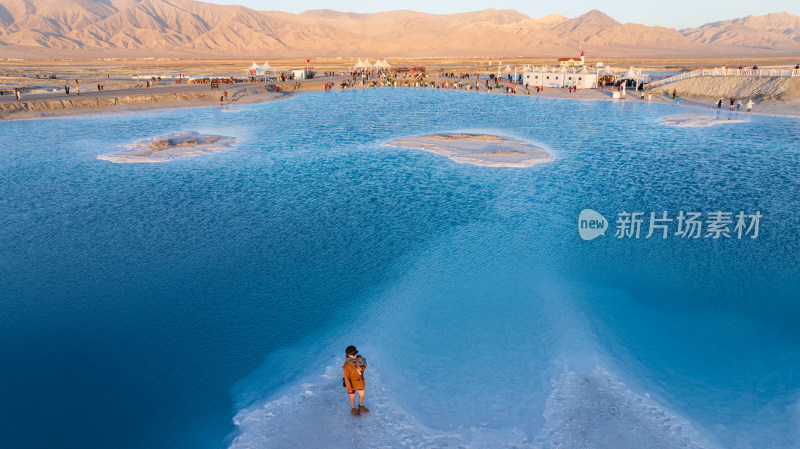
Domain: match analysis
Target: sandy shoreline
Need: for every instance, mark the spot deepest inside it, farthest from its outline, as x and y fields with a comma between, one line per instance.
x=127, y=95
x=130, y=100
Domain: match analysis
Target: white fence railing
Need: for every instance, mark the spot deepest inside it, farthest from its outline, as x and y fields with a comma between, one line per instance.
x=726, y=72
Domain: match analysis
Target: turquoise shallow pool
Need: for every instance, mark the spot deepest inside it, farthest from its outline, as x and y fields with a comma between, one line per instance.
x=206, y=302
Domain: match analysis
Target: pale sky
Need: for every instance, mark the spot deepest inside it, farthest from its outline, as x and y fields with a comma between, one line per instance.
x=674, y=13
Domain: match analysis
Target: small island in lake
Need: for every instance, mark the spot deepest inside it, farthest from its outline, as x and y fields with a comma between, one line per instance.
x=697, y=120
x=171, y=146
x=478, y=149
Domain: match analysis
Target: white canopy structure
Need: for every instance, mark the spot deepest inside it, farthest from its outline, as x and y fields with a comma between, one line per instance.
x=632, y=74
x=381, y=65
x=262, y=69
x=364, y=65
x=607, y=72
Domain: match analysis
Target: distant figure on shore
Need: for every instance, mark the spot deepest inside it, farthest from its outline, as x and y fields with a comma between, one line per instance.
x=678, y=99
x=221, y=98
x=353, y=369
x=16, y=92
x=66, y=87
x=750, y=105
x=733, y=101
x=738, y=104
x=77, y=88
x=674, y=93
x=649, y=96
x=719, y=103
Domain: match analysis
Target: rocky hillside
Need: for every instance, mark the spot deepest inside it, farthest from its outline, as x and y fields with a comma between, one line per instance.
x=188, y=28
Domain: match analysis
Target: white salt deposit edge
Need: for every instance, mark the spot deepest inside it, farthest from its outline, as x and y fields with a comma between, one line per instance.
x=315, y=414
x=588, y=408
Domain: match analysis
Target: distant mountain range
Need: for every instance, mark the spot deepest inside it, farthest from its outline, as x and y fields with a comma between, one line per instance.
x=188, y=28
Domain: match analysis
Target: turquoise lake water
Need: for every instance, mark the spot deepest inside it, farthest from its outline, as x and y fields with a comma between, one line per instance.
x=206, y=302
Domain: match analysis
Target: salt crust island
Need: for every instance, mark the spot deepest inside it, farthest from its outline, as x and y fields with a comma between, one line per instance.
x=477, y=149
x=170, y=146
x=697, y=120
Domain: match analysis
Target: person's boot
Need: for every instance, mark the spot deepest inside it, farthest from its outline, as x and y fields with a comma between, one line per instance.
x=354, y=412
x=363, y=409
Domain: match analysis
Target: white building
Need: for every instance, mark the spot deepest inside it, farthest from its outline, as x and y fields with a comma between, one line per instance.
x=573, y=62
x=302, y=74
x=583, y=79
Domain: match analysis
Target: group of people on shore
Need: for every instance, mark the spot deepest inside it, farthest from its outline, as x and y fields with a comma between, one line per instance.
x=77, y=87
x=735, y=104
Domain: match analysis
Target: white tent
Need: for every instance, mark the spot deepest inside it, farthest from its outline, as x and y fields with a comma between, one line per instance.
x=364, y=65
x=381, y=65
x=607, y=72
x=262, y=69
x=632, y=74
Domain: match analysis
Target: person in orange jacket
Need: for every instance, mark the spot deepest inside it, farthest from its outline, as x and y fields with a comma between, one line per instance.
x=353, y=369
